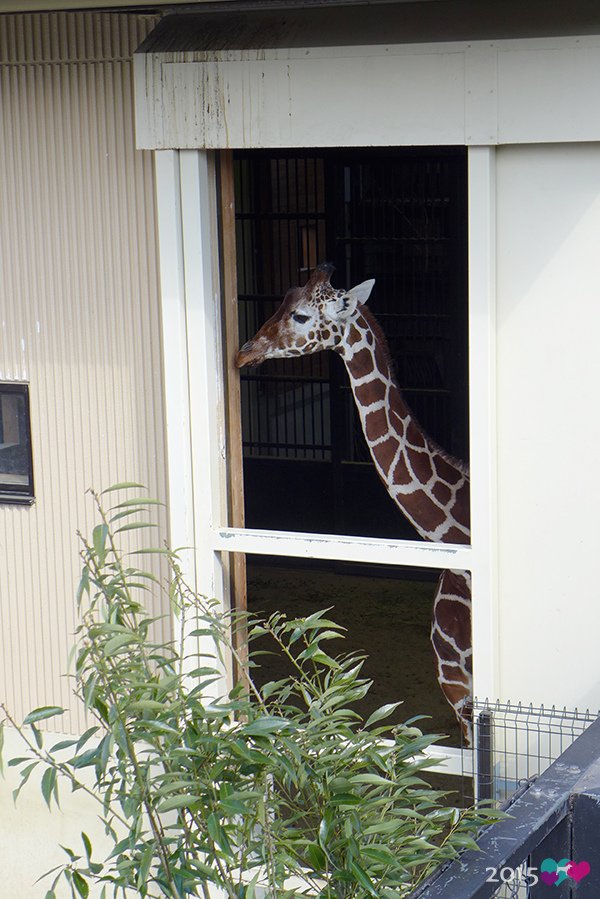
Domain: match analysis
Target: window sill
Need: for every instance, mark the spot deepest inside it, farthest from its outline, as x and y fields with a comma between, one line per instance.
x=15, y=499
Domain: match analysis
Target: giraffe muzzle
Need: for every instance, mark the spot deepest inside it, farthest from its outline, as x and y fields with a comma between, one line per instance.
x=249, y=354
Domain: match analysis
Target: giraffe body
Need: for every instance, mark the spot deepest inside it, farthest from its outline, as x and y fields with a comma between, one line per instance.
x=430, y=487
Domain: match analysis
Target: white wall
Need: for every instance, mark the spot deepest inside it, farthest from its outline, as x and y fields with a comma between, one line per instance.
x=31, y=835
x=548, y=208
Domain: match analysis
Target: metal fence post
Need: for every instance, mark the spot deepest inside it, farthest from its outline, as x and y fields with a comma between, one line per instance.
x=484, y=756
x=585, y=843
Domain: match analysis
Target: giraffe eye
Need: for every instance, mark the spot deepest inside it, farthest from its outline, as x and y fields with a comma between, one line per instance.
x=301, y=319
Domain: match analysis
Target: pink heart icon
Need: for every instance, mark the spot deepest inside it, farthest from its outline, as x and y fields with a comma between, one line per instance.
x=578, y=871
x=549, y=877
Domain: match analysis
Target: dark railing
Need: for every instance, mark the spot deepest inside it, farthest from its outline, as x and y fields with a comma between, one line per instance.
x=554, y=824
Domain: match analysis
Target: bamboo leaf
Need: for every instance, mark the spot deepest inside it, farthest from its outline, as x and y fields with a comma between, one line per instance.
x=218, y=834
x=372, y=779
x=99, y=535
x=86, y=736
x=124, y=485
x=363, y=878
x=323, y=659
x=234, y=807
x=145, y=864
x=133, y=511
x=62, y=744
x=39, y=740
x=177, y=802
x=382, y=827
x=150, y=705
x=380, y=854
x=41, y=714
x=316, y=856
x=87, y=845
x=86, y=759
x=81, y=885
x=345, y=799
x=48, y=784
x=151, y=550
x=116, y=643
x=25, y=775
x=205, y=871
x=384, y=712
x=12, y=763
x=135, y=526
x=267, y=725
x=138, y=501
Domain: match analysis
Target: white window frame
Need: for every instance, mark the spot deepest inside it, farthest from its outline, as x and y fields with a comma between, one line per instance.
x=195, y=408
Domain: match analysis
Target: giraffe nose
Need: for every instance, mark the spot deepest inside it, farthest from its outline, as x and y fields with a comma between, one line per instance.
x=247, y=354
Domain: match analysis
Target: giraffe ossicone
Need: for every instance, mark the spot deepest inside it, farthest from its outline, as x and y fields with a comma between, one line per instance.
x=429, y=486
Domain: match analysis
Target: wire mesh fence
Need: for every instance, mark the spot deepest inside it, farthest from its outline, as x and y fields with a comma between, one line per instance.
x=514, y=744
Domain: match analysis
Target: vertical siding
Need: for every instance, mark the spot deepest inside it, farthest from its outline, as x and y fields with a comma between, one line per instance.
x=79, y=317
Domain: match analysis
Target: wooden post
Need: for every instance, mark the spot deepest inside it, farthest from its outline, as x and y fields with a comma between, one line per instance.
x=232, y=387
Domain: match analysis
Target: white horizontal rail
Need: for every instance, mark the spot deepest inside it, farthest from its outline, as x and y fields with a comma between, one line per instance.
x=342, y=548
x=450, y=760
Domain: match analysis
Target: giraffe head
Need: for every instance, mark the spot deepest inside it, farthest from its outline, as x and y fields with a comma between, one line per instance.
x=310, y=319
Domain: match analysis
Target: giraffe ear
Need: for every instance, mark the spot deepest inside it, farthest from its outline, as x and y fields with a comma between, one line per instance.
x=360, y=293
x=344, y=307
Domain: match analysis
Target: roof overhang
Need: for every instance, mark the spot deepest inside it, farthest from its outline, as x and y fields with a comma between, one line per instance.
x=386, y=74
x=252, y=24
x=25, y=6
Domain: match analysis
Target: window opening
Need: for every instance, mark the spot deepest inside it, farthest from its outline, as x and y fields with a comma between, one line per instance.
x=387, y=615
x=16, y=468
x=398, y=216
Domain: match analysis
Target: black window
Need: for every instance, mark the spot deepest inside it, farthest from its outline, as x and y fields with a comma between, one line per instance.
x=16, y=468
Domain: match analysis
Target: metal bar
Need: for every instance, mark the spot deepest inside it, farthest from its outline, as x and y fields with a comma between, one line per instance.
x=282, y=216
x=279, y=445
x=341, y=548
x=484, y=732
x=284, y=379
x=401, y=240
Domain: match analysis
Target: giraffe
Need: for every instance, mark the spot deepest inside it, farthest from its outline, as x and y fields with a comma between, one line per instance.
x=430, y=487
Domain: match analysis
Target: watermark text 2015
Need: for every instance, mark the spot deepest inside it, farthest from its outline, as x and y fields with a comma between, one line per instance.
x=550, y=872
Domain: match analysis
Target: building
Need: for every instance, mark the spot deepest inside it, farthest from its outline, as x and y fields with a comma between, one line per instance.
x=119, y=317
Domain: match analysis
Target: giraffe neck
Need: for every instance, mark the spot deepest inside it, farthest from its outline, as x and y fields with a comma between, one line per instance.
x=430, y=487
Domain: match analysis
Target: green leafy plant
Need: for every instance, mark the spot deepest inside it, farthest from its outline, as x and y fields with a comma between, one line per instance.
x=282, y=791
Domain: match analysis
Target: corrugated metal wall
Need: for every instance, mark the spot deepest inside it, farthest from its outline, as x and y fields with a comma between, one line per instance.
x=79, y=317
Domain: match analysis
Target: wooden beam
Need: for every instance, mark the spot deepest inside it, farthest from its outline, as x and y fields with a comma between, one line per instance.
x=232, y=385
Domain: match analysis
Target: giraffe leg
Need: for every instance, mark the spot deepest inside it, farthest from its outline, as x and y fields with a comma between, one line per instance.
x=451, y=641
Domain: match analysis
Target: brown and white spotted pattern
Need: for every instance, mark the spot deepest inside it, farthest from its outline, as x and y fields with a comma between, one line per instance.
x=429, y=486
